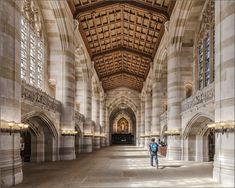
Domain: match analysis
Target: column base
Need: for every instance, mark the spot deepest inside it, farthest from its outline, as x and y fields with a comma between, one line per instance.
x=146, y=142
x=223, y=171
x=142, y=142
x=173, y=148
x=96, y=142
x=67, y=151
x=10, y=160
x=87, y=144
x=103, y=142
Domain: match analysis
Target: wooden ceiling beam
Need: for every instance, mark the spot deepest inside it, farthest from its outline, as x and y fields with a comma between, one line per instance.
x=127, y=86
x=141, y=5
x=123, y=72
x=122, y=48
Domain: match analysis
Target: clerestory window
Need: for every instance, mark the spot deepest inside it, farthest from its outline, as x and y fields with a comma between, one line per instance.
x=205, y=48
x=32, y=46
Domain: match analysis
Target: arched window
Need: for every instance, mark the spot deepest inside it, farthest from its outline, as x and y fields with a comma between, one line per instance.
x=32, y=45
x=205, y=47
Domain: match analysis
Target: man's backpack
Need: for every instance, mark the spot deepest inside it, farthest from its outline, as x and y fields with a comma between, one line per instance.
x=154, y=147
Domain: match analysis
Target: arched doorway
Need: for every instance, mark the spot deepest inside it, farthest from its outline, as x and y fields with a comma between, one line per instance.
x=39, y=142
x=199, y=140
x=122, y=126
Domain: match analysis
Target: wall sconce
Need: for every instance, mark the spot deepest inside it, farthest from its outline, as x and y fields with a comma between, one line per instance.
x=172, y=132
x=88, y=134
x=69, y=133
x=155, y=134
x=97, y=135
x=11, y=126
x=147, y=134
x=103, y=135
x=222, y=127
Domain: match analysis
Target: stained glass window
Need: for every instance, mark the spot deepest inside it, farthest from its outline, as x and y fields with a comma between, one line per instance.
x=200, y=66
x=32, y=55
x=207, y=60
x=205, y=47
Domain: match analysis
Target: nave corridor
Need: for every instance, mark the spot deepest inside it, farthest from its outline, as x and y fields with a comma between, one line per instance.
x=117, y=166
x=87, y=85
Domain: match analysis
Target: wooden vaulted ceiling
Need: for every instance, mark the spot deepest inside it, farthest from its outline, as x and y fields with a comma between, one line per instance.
x=122, y=37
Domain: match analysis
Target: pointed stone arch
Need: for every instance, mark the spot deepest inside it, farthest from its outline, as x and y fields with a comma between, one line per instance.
x=199, y=117
x=198, y=139
x=43, y=137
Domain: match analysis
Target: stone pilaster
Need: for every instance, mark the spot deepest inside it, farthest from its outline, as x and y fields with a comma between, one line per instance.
x=148, y=114
x=138, y=124
x=62, y=69
x=102, y=121
x=223, y=171
x=156, y=109
x=87, y=137
x=107, y=127
x=10, y=92
x=96, y=118
x=142, y=123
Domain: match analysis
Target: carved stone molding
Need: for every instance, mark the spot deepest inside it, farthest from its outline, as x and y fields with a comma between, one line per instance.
x=31, y=12
x=79, y=118
x=202, y=96
x=163, y=118
x=39, y=98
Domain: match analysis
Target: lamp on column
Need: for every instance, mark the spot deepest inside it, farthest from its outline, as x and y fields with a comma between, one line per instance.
x=172, y=132
x=68, y=132
x=222, y=127
x=11, y=126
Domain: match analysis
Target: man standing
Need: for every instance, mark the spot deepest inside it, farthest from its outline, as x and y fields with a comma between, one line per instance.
x=153, y=149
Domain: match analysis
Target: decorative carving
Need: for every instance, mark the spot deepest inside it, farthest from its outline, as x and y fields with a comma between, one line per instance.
x=75, y=25
x=79, y=118
x=39, y=98
x=31, y=12
x=163, y=118
x=201, y=96
x=52, y=83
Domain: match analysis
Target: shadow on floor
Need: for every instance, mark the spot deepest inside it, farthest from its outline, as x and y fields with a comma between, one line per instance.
x=169, y=166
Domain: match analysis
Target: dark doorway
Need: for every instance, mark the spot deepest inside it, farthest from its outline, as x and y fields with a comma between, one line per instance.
x=211, y=145
x=122, y=123
x=25, y=146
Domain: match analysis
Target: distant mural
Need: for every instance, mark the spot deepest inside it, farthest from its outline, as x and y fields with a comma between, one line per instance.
x=123, y=126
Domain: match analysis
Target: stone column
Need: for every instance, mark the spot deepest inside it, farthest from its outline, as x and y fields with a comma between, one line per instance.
x=223, y=171
x=79, y=97
x=137, y=136
x=96, y=118
x=148, y=114
x=102, y=121
x=62, y=69
x=142, y=106
x=175, y=94
x=156, y=109
x=10, y=92
x=107, y=126
x=87, y=137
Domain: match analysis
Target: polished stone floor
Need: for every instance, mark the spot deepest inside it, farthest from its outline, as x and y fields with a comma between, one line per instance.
x=117, y=166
